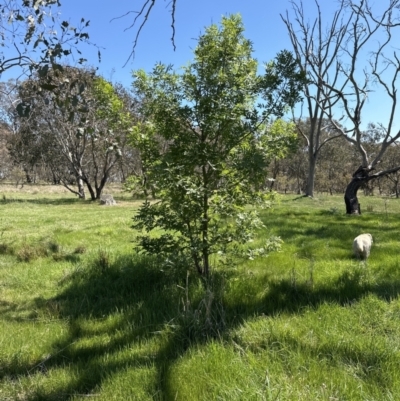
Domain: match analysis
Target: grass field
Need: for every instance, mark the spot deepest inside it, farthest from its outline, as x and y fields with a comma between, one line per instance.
x=83, y=316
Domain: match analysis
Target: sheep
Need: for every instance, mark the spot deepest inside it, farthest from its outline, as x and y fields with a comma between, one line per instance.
x=362, y=246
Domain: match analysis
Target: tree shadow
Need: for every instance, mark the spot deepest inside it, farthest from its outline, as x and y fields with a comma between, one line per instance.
x=325, y=226
x=132, y=301
x=291, y=297
x=136, y=296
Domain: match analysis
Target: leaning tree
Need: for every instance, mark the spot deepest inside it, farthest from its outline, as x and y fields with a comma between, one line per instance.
x=346, y=61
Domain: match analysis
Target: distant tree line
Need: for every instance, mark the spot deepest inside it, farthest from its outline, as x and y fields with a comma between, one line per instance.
x=66, y=135
x=44, y=147
x=68, y=126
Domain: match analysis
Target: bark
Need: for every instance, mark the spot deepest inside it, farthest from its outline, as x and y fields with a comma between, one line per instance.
x=80, y=181
x=81, y=188
x=350, y=196
x=311, y=176
x=360, y=177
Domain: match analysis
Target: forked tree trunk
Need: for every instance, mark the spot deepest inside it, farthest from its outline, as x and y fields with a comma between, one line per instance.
x=99, y=188
x=361, y=177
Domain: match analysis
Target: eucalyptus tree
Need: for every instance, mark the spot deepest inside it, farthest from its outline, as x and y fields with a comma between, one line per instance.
x=316, y=50
x=33, y=38
x=5, y=159
x=76, y=127
x=391, y=160
x=213, y=120
x=346, y=61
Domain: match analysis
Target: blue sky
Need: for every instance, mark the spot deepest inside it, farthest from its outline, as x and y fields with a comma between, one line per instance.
x=261, y=19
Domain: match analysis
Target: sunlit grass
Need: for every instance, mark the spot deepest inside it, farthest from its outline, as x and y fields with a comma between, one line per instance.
x=83, y=315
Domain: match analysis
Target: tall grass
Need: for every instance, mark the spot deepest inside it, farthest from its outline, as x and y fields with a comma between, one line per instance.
x=83, y=315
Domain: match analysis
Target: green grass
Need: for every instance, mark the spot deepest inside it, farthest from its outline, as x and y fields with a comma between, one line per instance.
x=82, y=316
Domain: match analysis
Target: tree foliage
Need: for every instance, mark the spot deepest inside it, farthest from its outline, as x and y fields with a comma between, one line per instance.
x=204, y=138
x=74, y=129
x=34, y=39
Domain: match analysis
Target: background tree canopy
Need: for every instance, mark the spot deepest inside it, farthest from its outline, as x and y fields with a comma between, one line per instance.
x=75, y=129
x=33, y=38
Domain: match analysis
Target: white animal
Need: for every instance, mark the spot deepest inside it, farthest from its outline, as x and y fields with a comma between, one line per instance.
x=362, y=245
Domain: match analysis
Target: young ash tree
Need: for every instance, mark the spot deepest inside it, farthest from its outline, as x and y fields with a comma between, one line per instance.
x=205, y=140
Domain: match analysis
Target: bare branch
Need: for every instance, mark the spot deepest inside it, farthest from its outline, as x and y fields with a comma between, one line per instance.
x=173, y=23
x=384, y=173
x=145, y=12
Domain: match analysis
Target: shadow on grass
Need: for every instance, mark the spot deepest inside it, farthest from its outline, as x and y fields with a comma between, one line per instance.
x=325, y=226
x=132, y=303
x=290, y=296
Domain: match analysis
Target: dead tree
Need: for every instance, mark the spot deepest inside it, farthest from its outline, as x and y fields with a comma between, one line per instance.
x=346, y=62
x=316, y=50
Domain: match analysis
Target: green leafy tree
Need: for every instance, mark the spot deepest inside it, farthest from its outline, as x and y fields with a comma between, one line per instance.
x=205, y=140
x=280, y=141
x=75, y=131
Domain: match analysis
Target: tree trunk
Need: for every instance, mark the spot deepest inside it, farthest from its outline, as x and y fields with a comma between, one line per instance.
x=311, y=176
x=360, y=177
x=99, y=189
x=91, y=190
x=79, y=181
x=350, y=197
x=81, y=188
